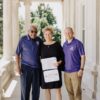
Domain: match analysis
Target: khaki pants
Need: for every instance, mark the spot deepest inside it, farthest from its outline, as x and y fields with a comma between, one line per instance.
x=73, y=85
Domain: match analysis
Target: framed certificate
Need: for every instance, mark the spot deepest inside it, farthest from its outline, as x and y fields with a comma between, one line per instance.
x=48, y=63
x=51, y=75
x=50, y=71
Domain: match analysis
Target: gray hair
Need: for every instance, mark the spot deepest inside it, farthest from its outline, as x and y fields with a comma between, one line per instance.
x=70, y=28
x=32, y=26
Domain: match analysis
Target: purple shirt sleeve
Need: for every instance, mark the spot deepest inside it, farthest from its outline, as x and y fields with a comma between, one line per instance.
x=81, y=49
x=19, y=47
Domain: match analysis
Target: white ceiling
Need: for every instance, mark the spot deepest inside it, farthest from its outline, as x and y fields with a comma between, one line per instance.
x=44, y=0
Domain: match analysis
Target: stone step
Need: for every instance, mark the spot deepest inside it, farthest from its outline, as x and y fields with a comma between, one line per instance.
x=9, y=91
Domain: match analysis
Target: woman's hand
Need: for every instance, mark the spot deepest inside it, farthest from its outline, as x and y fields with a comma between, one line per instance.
x=57, y=63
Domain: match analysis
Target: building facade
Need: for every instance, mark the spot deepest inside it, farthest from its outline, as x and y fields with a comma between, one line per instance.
x=82, y=15
x=1, y=26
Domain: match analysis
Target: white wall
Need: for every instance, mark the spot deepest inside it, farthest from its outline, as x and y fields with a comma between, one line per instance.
x=91, y=42
x=98, y=42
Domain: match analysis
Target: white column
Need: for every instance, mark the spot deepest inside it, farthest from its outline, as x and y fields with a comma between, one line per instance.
x=66, y=12
x=69, y=13
x=27, y=14
x=66, y=18
x=99, y=31
x=72, y=13
x=98, y=50
x=91, y=47
x=78, y=19
x=7, y=29
x=15, y=24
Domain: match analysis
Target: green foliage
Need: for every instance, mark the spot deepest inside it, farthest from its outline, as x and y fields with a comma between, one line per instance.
x=43, y=17
x=57, y=34
x=21, y=26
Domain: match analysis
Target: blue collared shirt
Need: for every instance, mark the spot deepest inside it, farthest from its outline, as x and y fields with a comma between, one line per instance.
x=73, y=52
x=29, y=50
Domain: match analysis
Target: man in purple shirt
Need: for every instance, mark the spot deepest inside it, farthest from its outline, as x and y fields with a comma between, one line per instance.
x=28, y=54
x=74, y=64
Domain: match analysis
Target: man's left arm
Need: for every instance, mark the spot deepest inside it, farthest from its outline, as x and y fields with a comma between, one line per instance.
x=82, y=62
x=80, y=72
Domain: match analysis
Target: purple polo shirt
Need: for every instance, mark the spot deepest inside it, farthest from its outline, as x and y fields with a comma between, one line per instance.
x=29, y=50
x=73, y=52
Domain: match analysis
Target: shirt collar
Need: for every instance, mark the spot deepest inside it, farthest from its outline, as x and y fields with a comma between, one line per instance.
x=28, y=37
x=71, y=41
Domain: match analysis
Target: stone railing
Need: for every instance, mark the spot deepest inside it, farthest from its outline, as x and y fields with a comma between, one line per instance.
x=6, y=73
x=89, y=82
x=98, y=84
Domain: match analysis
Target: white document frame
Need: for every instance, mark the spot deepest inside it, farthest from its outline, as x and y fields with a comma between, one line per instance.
x=48, y=63
x=50, y=71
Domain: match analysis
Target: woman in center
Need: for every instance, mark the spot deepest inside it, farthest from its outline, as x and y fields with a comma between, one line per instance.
x=51, y=48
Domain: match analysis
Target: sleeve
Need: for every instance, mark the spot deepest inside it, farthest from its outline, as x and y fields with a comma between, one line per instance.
x=60, y=56
x=60, y=52
x=19, y=47
x=41, y=42
x=81, y=49
x=40, y=46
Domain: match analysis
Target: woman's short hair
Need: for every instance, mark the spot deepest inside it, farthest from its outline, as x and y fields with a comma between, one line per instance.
x=48, y=28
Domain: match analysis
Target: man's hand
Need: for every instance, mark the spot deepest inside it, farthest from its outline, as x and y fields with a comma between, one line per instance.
x=80, y=73
x=17, y=68
x=17, y=71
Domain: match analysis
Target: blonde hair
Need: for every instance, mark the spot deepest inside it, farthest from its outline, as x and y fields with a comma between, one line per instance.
x=48, y=28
